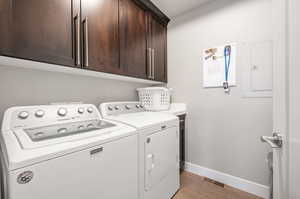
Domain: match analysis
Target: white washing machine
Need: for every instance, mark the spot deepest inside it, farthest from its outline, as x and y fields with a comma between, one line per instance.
x=158, y=147
x=67, y=152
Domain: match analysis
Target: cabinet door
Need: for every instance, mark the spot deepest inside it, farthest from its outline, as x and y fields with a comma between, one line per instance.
x=133, y=39
x=39, y=30
x=100, y=24
x=159, y=45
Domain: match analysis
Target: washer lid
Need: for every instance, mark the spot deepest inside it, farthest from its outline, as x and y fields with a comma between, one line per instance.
x=143, y=119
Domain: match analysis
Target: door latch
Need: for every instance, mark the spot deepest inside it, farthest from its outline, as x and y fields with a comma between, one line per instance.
x=274, y=141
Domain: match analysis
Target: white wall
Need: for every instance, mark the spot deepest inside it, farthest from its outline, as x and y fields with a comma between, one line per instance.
x=20, y=86
x=223, y=130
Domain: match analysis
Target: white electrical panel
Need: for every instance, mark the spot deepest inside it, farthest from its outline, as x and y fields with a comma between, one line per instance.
x=261, y=66
x=259, y=77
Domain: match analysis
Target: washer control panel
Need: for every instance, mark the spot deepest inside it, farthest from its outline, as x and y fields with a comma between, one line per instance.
x=116, y=108
x=25, y=116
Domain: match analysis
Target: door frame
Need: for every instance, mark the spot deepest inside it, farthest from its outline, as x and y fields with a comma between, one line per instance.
x=280, y=97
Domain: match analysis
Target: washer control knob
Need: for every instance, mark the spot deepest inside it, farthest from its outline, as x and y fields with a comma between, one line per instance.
x=39, y=113
x=117, y=108
x=137, y=106
x=90, y=110
x=23, y=115
x=80, y=110
x=128, y=107
x=62, y=112
x=110, y=108
x=142, y=106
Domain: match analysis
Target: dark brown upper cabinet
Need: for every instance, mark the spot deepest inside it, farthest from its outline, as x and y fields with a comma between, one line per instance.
x=100, y=35
x=125, y=37
x=157, y=43
x=133, y=39
x=39, y=30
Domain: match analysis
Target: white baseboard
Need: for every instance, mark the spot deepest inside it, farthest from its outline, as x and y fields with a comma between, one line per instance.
x=236, y=182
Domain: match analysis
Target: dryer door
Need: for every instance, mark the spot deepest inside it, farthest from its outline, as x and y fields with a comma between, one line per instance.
x=161, y=156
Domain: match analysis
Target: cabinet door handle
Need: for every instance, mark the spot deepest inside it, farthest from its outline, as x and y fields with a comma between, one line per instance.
x=77, y=40
x=149, y=63
x=153, y=64
x=86, y=42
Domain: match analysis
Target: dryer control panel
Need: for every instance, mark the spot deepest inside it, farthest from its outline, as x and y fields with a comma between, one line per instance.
x=116, y=108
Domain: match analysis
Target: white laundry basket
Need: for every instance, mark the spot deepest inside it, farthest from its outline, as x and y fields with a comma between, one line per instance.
x=155, y=98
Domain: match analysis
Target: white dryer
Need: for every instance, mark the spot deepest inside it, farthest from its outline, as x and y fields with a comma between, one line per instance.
x=67, y=151
x=158, y=147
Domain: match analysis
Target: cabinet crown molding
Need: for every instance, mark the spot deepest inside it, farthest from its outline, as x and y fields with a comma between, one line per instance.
x=148, y=5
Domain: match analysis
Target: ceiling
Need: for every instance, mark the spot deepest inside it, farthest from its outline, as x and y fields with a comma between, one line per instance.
x=173, y=8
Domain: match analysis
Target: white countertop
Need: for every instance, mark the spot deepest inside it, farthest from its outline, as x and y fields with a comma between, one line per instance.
x=177, y=109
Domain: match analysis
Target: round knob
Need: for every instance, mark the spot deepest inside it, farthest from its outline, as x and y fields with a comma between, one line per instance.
x=117, y=107
x=128, y=107
x=23, y=115
x=80, y=110
x=62, y=112
x=142, y=106
x=110, y=108
x=39, y=113
x=90, y=110
x=137, y=106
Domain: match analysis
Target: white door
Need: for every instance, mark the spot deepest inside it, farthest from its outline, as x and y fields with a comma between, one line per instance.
x=286, y=104
x=280, y=155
